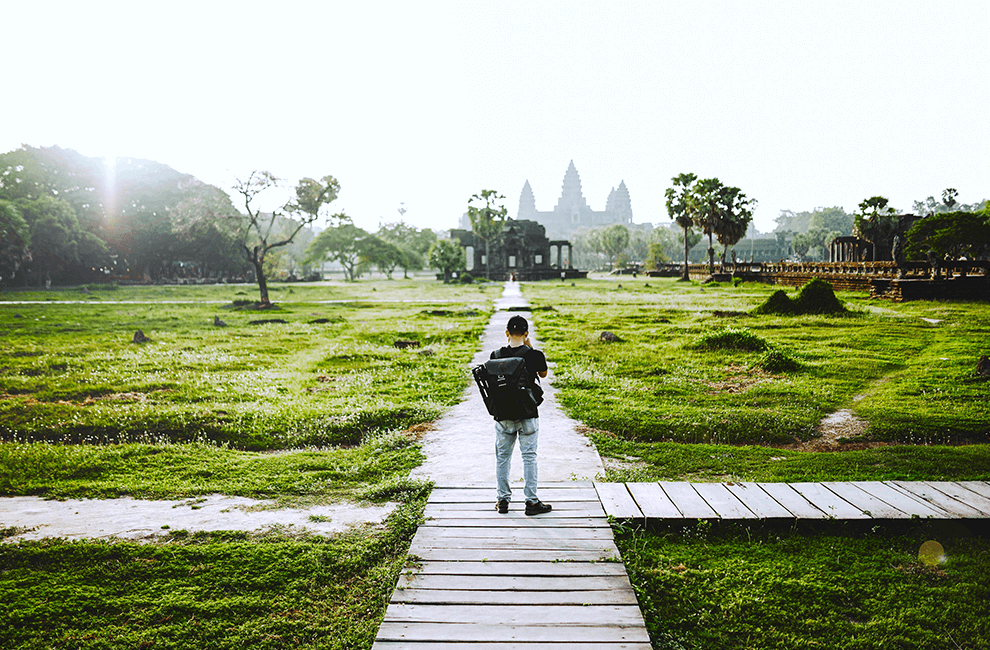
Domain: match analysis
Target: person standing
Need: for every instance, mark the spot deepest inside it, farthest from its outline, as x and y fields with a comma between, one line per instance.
x=526, y=431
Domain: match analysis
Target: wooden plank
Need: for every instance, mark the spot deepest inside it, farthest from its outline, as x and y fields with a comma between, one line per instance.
x=758, y=501
x=566, y=485
x=467, y=597
x=792, y=500
x=512, y=583
x=910, y=505
x=521, y=522
x=589, y=615
x=960, y=493
x=550, y=569
x=466, y=632
x=937, y=498
x=517, y=533
x=980, y=487
x=439, y=511
x=617, y=501
x=488, y=495
x=722, y=501
x=864, y=501
x=508, y=645
x=519, y=545
x=514, y=506
x=829, y=502
x=687, y=501
x=513, y=555
x=653, y=502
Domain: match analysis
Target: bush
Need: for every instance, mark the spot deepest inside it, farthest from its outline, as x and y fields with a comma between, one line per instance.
x=777, y=361
x=466, y=278
x=816, y=297
x=731, y=339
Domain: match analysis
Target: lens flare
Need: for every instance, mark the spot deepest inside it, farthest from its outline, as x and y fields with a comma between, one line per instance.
x=931, y=553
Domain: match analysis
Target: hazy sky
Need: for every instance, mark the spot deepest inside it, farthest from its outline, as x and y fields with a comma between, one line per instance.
x=800, y=103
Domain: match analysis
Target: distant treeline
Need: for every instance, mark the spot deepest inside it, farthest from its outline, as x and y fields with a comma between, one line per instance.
x=66, y=218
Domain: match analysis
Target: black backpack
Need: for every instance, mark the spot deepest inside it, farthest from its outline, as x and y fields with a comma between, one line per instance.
x=504, y=385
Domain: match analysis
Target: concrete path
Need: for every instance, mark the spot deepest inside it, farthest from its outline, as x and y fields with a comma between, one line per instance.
x=139, y=519
x=462, y=447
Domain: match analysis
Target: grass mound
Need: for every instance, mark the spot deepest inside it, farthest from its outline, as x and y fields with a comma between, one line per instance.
x=731, y=339
x=777, y=361
x=778, y=303
x=816, y=297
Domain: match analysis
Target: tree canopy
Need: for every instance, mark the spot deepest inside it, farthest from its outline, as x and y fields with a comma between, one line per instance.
x=487, y=218
x=342, y=244
x=681, y=208
x=448, y=257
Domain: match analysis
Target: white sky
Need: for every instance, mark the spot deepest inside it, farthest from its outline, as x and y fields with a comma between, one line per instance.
x=800, y=103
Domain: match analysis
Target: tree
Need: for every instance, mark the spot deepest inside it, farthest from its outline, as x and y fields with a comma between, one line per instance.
x=15, y=240
x=447, y=256
x=736, y=216
x=486, y=220
x=706, y=199
x=806, y=245
x=260, y=231
x=208, y=228
x=721, y=211
x=383, y=254
x=950, y=235
x=342, y=244
x=876, y=222
x=681, y=209
x=54, y=233
x=615, y=239
x=414, y=243
x=663, y=247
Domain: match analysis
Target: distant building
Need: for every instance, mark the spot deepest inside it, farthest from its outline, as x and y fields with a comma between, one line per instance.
x=572, y=212
x=521, y=249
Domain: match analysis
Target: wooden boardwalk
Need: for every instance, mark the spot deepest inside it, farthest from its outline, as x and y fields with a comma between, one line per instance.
x=828, y=500
x=485, y=580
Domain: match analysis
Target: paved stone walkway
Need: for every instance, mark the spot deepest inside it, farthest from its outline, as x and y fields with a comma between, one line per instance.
x=462, y=447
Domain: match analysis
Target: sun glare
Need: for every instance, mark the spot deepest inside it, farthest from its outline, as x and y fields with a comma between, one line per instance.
x=110, y=187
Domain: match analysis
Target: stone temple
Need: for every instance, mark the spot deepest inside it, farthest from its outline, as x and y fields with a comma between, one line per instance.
x=572, y=213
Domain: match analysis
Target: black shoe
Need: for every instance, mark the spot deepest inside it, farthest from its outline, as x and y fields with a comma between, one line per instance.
x=502, y=506
x=538, y=508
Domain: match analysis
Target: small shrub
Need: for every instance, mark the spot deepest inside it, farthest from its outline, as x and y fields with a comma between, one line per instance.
x=778, y=361
x=731, y=339
x=466, y=278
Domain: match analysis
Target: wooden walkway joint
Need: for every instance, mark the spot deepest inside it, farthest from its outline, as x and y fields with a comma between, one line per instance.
x=487, y=580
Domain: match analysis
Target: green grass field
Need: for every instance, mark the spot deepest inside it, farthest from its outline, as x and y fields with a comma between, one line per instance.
x=911, y=379
x=85, y=412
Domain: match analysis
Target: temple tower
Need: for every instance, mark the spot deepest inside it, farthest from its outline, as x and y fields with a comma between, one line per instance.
x=572, y=204
x=527, y=203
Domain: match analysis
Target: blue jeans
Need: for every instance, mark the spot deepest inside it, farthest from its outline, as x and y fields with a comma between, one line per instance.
x=506, y=432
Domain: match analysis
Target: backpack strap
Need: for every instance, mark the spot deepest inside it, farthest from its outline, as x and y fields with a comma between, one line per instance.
x=524, y=348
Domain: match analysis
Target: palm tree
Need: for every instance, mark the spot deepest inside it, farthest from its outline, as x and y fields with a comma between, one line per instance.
x=680, y=207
